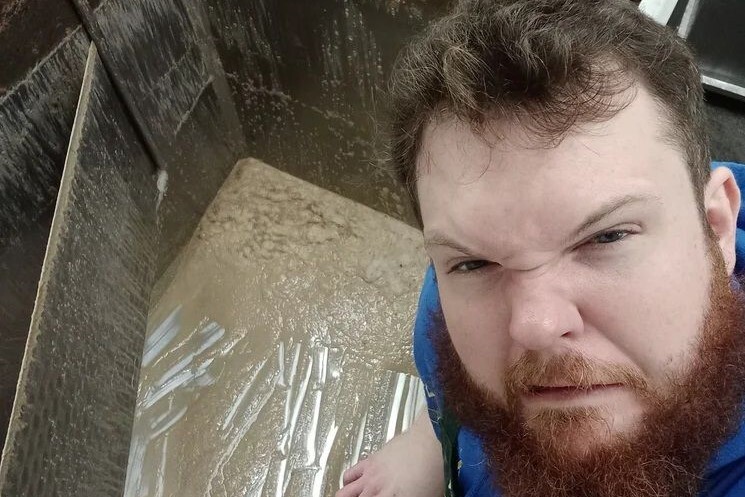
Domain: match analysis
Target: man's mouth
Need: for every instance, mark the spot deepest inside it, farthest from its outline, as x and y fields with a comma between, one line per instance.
x=559, y=392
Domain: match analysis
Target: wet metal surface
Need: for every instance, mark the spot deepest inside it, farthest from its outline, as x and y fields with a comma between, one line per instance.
x=36, y=116
x=35, y=120
x=281, y=349
x=29, y=31
x=70, y=429
x=307, y=78
x=159, y=53
x=20, y=267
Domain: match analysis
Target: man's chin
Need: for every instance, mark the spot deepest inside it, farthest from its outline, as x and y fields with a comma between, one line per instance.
x=573, y=435
x=580, y=429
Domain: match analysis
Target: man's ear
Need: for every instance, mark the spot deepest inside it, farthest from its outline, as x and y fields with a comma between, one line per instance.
x=722, y=203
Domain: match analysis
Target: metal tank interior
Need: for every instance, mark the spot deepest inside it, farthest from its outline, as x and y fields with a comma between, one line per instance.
x=207, y=282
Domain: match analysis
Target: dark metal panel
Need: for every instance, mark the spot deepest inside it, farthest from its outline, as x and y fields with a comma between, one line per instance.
x=70, y=429
x=307, y=79
x=714, y=28
x=20, y=266
x=29, y=31
x=36, y=115
x=164, y=66
x=726, y=118
x=35, y=121
x=708, y=27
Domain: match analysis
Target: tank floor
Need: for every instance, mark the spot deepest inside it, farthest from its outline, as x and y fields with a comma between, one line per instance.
x=279, y=348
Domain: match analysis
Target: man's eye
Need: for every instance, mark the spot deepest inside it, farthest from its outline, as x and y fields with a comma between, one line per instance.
x=468, y=266
x=610, y=237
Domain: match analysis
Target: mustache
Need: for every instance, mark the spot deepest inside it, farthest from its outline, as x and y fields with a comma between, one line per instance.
x=573, y=370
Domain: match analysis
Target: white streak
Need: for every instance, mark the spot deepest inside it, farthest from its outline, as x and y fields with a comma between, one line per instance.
x=396, y=406
x=659, y=10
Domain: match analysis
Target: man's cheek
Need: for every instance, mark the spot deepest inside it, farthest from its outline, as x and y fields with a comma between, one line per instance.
x=654, y=322
x=482, y=352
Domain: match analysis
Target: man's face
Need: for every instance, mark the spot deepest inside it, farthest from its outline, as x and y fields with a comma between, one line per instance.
x=579, y=265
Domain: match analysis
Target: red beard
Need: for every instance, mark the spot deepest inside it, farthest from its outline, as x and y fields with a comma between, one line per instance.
x=666, y=456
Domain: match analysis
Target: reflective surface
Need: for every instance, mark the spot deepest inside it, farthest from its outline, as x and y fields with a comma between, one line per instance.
x=280, y=348
x=70, y=428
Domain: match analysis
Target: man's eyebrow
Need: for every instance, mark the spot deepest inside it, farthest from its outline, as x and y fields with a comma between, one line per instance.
x=611, y=206
x=435, y=238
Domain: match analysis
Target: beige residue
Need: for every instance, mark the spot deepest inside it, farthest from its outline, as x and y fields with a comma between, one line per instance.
x=281, y=348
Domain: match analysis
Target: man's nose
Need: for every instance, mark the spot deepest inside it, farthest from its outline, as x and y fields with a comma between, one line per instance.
x=541, y=315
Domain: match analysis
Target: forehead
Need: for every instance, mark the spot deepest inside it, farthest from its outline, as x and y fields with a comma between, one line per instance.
x=466, y=177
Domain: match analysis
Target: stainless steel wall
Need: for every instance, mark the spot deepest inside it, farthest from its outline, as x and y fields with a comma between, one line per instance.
x=72, y=416
x=191, y=121
x=307, y=79
x=42, y=56
x=163, y=63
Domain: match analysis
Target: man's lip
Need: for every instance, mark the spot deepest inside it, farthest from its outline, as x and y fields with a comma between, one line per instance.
x=539, y=390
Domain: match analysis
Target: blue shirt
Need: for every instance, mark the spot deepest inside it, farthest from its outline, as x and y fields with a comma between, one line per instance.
x=725, y=476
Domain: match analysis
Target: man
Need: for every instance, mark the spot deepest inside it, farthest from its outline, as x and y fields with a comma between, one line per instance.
x=579, y=332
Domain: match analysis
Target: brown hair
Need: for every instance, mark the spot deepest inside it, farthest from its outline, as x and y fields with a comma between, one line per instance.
x=548, y=65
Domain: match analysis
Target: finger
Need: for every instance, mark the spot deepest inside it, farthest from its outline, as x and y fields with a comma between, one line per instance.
x=353, y=489
x=354, y=472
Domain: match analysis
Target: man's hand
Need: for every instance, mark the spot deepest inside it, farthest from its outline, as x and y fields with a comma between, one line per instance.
x=409, y=465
